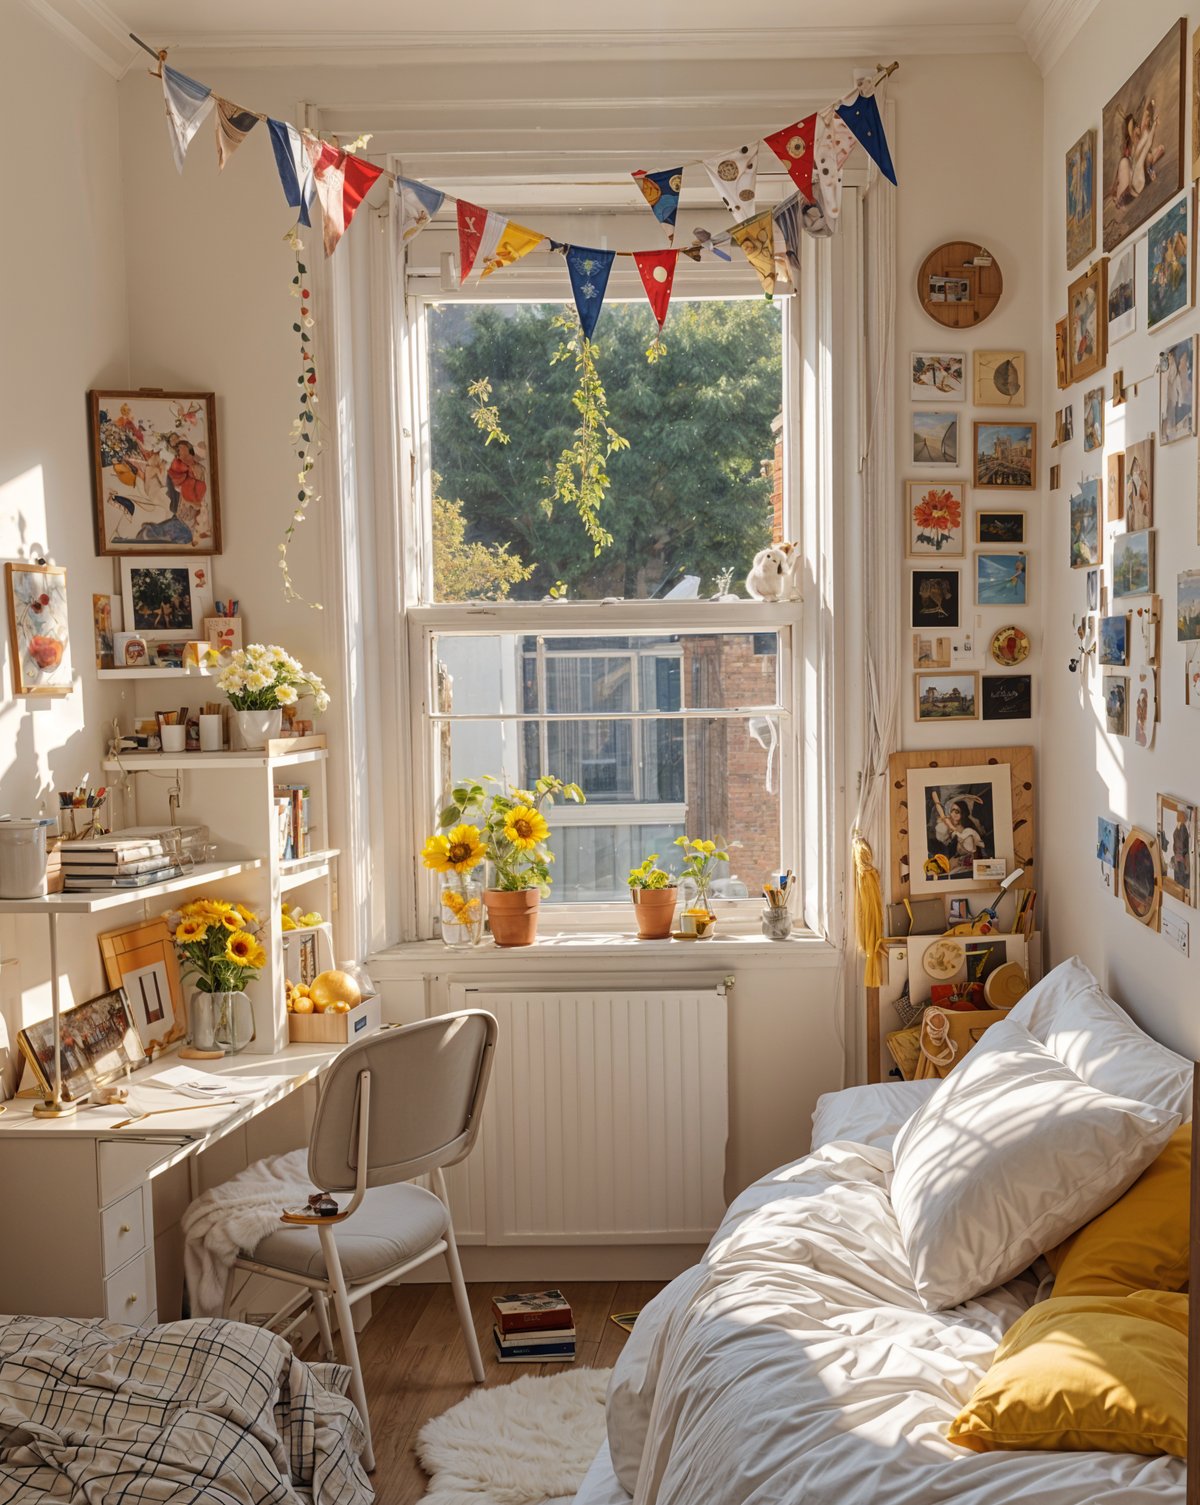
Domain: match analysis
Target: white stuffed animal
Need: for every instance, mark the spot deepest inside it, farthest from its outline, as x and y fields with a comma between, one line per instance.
x=775, y=574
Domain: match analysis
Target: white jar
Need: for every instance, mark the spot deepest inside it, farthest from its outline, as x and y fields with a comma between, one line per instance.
x=23, y=858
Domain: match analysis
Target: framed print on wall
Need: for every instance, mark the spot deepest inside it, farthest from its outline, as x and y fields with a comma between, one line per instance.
x=1169, y=264
x=1187, y=606
x=956, y=817
x=1141, y=878
x=935, y=518
x=1143, y=139
x=1005, y=456
x=1081, y=199
x=935, y=598
x=1122, y=293
x=934, y=438
x=1133, y=563
x=1116, y=704
x=154, y=472
x=1000, y=379
x=141, y=959
x=1002, y=579
x=946, y=697
x=999, y=527
x=166, y=597
x=1087, y=324
x=1086, y=533
x=938, y=376
x=1177, y=392
x=1007, y=697
x=1139, y=485
x=1093, y=419
x=1113, y=642
x=1177, y=832
x=37, y=629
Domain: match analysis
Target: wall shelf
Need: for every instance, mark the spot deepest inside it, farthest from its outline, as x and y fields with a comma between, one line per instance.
x=297, y=870
x=137, y=762
x=91, y=901
x=155, y=671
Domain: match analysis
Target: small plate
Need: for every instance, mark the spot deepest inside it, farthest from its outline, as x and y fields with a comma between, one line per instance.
x=944, y=958
x=1010, y=646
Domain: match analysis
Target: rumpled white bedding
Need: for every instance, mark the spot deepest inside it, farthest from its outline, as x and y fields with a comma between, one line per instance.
x=872, y=1114
x=795, y=1366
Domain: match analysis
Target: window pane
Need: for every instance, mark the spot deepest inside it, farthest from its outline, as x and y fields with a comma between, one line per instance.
x=693, y=495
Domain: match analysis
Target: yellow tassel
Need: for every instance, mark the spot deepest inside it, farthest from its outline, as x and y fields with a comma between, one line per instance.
x=868, y=912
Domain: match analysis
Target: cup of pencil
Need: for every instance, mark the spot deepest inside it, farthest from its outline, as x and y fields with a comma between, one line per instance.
x=777, y=914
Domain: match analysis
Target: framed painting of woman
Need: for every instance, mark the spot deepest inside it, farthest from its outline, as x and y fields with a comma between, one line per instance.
x=154, y=472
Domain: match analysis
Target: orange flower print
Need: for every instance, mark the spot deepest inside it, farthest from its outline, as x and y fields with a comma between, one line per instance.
x=938, y=514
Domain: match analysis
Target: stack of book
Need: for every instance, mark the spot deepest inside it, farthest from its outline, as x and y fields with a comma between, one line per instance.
x=291, y=812
x=114, y=861
x=533, y=1327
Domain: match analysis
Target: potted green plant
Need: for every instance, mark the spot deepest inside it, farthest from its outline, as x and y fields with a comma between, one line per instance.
x=514, y=833
x=653, y=892
x=700, y=859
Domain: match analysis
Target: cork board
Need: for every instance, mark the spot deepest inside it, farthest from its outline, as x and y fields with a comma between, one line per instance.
x=1020, y=761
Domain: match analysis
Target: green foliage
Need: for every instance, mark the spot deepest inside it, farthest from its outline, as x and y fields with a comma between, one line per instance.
x=701, y=858
x=581, y=471
x=485, y=417
x=647, y=875
x=465, y=571
x=513, y=826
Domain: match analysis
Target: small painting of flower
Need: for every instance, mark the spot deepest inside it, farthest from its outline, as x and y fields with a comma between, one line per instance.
x=37, y=614
x=935, y=518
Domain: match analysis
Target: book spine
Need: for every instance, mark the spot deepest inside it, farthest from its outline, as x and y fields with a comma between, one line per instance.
x=560, y=1337
x=551, y=1352
x=541, y=1358
x=109, y=856
x=525, y=1322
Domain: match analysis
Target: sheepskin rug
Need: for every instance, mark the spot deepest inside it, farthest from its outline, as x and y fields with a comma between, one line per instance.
x=528, y=1443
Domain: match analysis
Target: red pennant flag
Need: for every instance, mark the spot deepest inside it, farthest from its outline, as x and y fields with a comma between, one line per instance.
x=657, y=271
x=342, y=182
x=471, y=220
x=794, y=148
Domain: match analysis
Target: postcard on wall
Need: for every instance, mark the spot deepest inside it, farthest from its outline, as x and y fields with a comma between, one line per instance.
x=1143, y=139
x=1133, y=564
x=1002, y=579
x=1177, y=831
x=166, y=597
x=1187, y=606
x=1139, y=485
x=1169, y=264
x=947, y=697
x=938, y=377
x=1114, y=641
x=1081, y=199
x=935, y=598
x=1122, y=293
x=930, y=652
x=1191, y=683
x=935, y=518
x=1086, y=533
x=1177, y=392
x=1093, y=419
x=955, y=817
x=935, y=438
x=1107, y=847
x=1114, y=490
x=1116, y=704
x=1000, y=379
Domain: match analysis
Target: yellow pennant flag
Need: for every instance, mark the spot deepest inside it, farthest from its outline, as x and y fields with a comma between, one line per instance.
x=515, y=241
x=757, y=239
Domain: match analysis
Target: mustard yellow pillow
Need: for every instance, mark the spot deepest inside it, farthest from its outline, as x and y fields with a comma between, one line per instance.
x=1140, y=1243
x=1084, y=1373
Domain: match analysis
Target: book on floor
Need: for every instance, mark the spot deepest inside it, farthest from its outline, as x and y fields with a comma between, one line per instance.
x=523, y=1311
x=535, y=1338
x=508, y=1352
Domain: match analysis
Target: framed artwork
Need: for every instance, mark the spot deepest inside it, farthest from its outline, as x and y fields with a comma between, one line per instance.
x=1000, y=379
x=98, y=1041
x=1114, y=641
x=102, y=631
x=1081, y=199
x=1177, y=392
x=1055, y=477
x=1143, y=139
x=1116, y=704
x=1107, y=846
x=1006, y=455
x=1114, y=490
x=1062, y=356
x=37, y=629
x=956, y=817
x=947, y=697
x=930, y=652
x=1133, y=564
x=1068, y=423
x=1191, y=670
x=935, y=518
x=935, y=438
x=140, y=959
x=1187, y=606
x=1093, y=419
x=938, y=377
x=1093, y=590
x=154, y=472
x=166, y=598
x=1007, y=697
x=1169, y=264
x=935, y=598
x=1177, y=830
x=1086, y=532
x=224, y=633
x=1139, y=485
x=1087, y=331
x=999, y=527
x=1122, y=293
x=1140, y=878
x=1002, y=579
x=1195, y=105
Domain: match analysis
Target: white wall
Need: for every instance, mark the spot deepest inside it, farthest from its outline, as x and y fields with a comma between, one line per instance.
x=1085, y=771
x=62, y=290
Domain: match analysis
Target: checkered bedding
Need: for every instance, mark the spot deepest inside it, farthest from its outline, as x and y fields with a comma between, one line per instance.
x=202, y=1411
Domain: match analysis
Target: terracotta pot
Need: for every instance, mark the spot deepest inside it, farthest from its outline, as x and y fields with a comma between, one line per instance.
x=654, y=910
x=513, y=916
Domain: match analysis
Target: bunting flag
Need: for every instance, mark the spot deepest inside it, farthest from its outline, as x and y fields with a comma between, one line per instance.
x=794, y=148
x=733, y=175
x=418, y=204
x=589, y=271
x=833, y=144
x=862, y=116
x=494, y=227
x=757, y=239
x=515, y=241
x=705, y=242
x=787, y=231
x=187, y=105
x=342, y=182
x=661, y=192
x=233, y=126
x=294, y=165
x=657, y=271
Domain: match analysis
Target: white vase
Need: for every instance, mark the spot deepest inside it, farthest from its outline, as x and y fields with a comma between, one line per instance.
x=258, y=727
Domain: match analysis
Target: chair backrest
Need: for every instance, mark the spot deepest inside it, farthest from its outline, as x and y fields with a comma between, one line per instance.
x=428, y=1082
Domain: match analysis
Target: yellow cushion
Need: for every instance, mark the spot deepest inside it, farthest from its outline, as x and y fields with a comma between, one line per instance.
x=1084, y=1373
x=1140, y=1243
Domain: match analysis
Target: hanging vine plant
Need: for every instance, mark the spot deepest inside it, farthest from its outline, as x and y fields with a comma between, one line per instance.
x=306, y=426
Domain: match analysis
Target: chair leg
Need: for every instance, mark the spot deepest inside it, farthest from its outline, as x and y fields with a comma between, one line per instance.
x=341, y=1303
x=230, y=1281
x=321, y=1311
x=458, y=1285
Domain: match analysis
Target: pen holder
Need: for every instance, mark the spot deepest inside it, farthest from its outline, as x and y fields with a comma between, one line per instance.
x=776, y=923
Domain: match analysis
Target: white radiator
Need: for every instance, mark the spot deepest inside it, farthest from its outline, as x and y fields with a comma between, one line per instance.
x=606, y=1120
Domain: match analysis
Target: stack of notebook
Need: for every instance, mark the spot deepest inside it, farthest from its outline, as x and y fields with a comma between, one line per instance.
x=114, y=861
x=535, y=1327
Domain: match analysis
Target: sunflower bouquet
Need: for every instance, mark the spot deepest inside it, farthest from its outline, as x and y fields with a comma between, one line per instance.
x=218, y=944
x=506, y=827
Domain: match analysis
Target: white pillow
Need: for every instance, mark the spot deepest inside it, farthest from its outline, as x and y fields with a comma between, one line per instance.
x=1009, y=1156
x=1072, y=1015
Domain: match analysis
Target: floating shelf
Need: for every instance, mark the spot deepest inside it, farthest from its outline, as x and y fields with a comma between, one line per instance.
x=297, y=870
x=135, y=762
x=156, y=671
x=106, y=898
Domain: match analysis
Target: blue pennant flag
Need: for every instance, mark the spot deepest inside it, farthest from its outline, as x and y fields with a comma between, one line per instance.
x=295, y=167
x=589, y=278
x=661, y=191
x=418, y=204
x=862, y=116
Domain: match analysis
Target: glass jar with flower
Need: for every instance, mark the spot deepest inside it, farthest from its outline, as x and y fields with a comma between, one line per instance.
x=259, y=681
x=455, y=854
x=219, y=947
x=700, y=859
x=514, y=833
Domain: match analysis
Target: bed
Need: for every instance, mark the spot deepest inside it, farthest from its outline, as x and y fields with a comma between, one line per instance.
x=204, y=1410
x=796, y=1365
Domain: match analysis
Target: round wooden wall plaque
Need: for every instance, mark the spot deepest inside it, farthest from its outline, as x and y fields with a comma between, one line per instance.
x=959, y=284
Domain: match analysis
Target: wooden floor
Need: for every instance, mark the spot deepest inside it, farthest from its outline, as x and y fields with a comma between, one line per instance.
x=415, y=1365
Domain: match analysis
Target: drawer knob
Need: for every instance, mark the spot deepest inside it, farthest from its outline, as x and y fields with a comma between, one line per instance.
x=130, y=1300
x=125, y=1228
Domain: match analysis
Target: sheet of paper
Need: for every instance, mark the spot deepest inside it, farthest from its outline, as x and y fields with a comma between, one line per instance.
x=204, y=1084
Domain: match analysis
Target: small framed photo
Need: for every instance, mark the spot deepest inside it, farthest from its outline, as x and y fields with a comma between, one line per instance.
x=1133, y=564
x=1081, y=199
x=166, y=598
x=1178, y=829
x=1062, y=359
x=1176, y=392
x=934, y=438
x=999, y=527
x=1006, y=455
x=224, y=633
x=1007, y=697
x=1087, y=322
x=1114, y=489
x=140, y=959
x=37, y=625
x=947, y=697
x=1055, y=477
x=98, y=1041
x=931, y=652
x=1114, y=641
x=1086, y=531
x=935, y=518
x=1139, y=485
x=1093, y=419
x=935, y=598
x=1187, y=606
x=1000, y=379
x=938, y=377
x=1116, y=704
x=1122, y=293
x=1169, y=264
x=1002, y=579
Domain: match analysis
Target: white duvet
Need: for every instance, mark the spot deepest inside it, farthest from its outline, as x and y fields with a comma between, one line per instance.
x=795, y=1366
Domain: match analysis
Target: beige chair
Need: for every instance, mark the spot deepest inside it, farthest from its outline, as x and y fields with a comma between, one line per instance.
x=400, y=1104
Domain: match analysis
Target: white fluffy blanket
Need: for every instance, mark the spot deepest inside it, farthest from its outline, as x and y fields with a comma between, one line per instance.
x=232, y=1218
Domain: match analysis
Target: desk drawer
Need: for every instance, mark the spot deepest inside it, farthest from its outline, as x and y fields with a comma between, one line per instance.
x=123, y=1230
x=127, y=1295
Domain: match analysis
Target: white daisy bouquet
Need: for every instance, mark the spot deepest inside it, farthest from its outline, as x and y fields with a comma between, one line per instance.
x=261, y=678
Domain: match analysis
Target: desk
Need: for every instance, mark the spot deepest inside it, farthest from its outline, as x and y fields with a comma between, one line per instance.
x=79, y=1214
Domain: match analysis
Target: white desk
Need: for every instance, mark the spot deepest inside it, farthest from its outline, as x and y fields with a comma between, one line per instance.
x=78, y=1200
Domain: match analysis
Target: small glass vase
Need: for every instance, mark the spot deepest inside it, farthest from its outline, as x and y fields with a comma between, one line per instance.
x=460, y=912
x=696, y=918
x=776, y=922
x=222, y=1021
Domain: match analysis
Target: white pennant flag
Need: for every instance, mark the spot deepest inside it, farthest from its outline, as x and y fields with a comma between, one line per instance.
x=188, y=104
x=734, y=175
x=493, y=228
x=827, y=168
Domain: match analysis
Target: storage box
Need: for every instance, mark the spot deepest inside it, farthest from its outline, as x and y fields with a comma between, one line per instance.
x=336, y=1029
x=307, y=951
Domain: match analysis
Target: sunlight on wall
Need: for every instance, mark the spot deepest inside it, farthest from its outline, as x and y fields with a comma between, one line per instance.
x=22, y=513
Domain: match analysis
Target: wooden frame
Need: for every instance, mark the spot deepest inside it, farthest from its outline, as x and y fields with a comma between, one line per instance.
x=1091, y=288
x=1135, y=844
x=996, y=540
x=942, y=860
x=914, y=491
x=199, y=595
x=1081, y=199
x=923, y=592
x=956, y=260
x=1160, y=77
x=41, y=660
x=1162, y=239
x=141, y=959
x=956, y=674
x=1009, y=366
x=82, y=1069
x=1027, y=480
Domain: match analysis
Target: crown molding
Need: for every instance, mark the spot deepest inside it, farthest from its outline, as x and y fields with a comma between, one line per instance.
x=92, y=29
x=1048, y=27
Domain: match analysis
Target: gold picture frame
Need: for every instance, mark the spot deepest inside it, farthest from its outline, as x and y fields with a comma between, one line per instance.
x=1087, y=322
x=37, y=628
x=99, y=1040
x=141, y=960
x=1140, y=878
x=955, y=699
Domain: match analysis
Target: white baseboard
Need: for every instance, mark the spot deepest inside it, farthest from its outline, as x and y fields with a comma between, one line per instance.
x=560, y=1263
